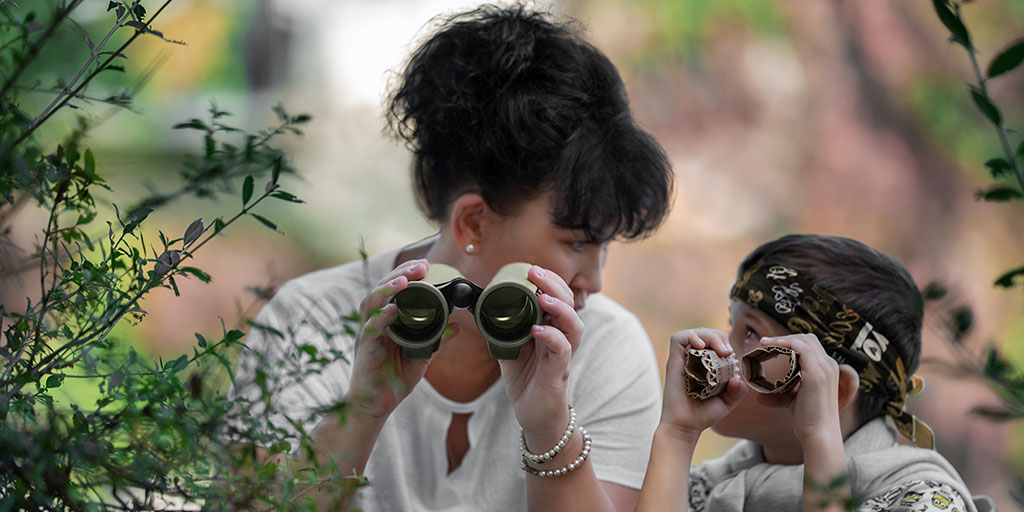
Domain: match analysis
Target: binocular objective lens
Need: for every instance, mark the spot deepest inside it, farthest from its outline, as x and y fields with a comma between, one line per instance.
x=508, y=314
x=420, y=315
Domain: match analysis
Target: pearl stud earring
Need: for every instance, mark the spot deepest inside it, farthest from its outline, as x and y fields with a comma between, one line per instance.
x=470, y=248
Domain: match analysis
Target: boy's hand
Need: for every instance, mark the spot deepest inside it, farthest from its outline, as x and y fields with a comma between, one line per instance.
x=814, y=404
x=688, y=416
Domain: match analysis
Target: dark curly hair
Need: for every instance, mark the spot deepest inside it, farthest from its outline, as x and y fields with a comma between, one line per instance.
x=872, y=283
x=508, y=103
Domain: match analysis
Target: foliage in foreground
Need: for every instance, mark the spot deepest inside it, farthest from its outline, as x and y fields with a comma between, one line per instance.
x=159, y=434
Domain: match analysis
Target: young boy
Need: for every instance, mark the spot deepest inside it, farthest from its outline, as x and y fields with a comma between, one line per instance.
x=853, y=315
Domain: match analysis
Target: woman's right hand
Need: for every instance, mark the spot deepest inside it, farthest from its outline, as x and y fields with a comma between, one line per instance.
x=381, y=376
x=687, y=416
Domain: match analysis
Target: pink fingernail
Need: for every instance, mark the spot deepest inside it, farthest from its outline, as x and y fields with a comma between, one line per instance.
x=540, y=271
x=537, y=329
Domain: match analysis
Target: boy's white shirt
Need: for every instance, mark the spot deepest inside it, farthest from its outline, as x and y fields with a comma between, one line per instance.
x=614, y=386
x=881, y=473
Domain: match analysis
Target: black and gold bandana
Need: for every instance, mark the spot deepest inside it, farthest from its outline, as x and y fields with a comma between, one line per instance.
x=801, y=306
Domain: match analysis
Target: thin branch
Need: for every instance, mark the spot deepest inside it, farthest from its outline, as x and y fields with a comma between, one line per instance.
x=40, y=120
x=93, y=55
x=31, y=55
x=1003, y=140
x=100, y=331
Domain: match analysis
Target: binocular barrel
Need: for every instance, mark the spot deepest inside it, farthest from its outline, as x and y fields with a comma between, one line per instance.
x=504, y=311
x=507, y=310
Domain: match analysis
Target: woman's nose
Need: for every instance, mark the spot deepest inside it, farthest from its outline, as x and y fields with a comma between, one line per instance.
x=589, y=280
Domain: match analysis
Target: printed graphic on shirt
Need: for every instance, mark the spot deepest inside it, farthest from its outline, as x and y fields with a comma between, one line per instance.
x=700, y=488
x=916, y=496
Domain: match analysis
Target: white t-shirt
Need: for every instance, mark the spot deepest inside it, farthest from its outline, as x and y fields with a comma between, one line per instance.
x=613, y=385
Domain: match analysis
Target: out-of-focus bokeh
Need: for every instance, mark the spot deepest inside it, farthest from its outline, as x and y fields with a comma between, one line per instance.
x=847, y=117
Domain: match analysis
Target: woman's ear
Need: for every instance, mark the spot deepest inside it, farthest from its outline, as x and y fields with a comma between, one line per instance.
x=470, y=219
x=849, y=384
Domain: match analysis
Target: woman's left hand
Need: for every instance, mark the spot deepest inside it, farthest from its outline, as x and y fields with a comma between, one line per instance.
x=536, y=381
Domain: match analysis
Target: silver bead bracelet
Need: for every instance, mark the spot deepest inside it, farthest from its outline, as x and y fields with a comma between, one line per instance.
x=565, y=469
x=541, y=458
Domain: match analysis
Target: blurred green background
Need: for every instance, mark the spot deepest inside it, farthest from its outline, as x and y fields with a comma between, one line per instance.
x=848, y=117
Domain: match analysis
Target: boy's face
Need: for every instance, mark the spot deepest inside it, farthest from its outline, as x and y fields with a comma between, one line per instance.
x=750, y=420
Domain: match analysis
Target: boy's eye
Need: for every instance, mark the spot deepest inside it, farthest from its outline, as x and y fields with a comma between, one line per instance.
x=578, y=246
x=752, y=334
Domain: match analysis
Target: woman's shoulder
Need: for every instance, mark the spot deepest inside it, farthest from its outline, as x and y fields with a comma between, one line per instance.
x=334, y=290
x=614, y=342
x=602, y=310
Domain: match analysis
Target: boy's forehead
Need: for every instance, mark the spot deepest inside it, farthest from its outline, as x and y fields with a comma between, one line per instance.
x=739, y=310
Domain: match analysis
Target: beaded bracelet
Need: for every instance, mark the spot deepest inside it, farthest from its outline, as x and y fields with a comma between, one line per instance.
x=541, y=458
x=565, y=469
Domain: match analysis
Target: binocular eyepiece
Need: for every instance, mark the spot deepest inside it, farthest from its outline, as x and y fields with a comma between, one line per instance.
x=504, y=311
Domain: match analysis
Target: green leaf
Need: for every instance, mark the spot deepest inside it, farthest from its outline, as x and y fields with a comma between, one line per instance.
x=113, y=67
x=203, y=276
x=193, y=232
x=996, y=368
x=268, y=471
x=266, y=222
x=287, y=196
x=177, y=365
x=275, y=171
x=90, y=164
x=194, y=124
x=1006, y=280
x=174, y=286
x=136, y=217
x=1007, y=59
x=934, y=291
x=986, y=106
x=997, y=414
x=997, y=167
x=201, y=340
x=301, y=118
x=233, y=336
x=999, y=194
x=953, y=23
x=54, y=381
x=963, y=321
x=247, y=190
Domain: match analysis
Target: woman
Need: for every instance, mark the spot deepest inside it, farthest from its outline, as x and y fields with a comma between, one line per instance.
x=525, y=149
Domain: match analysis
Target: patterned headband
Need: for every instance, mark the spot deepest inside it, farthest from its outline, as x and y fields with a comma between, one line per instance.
x=782, y=293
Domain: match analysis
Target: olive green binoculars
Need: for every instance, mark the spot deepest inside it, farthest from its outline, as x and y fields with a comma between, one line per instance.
x=505, y=311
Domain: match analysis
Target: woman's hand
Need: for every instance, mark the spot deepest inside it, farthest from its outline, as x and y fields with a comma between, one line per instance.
x=536, y=381
x=681, y=414
x=814, y=404
x=381, y=376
